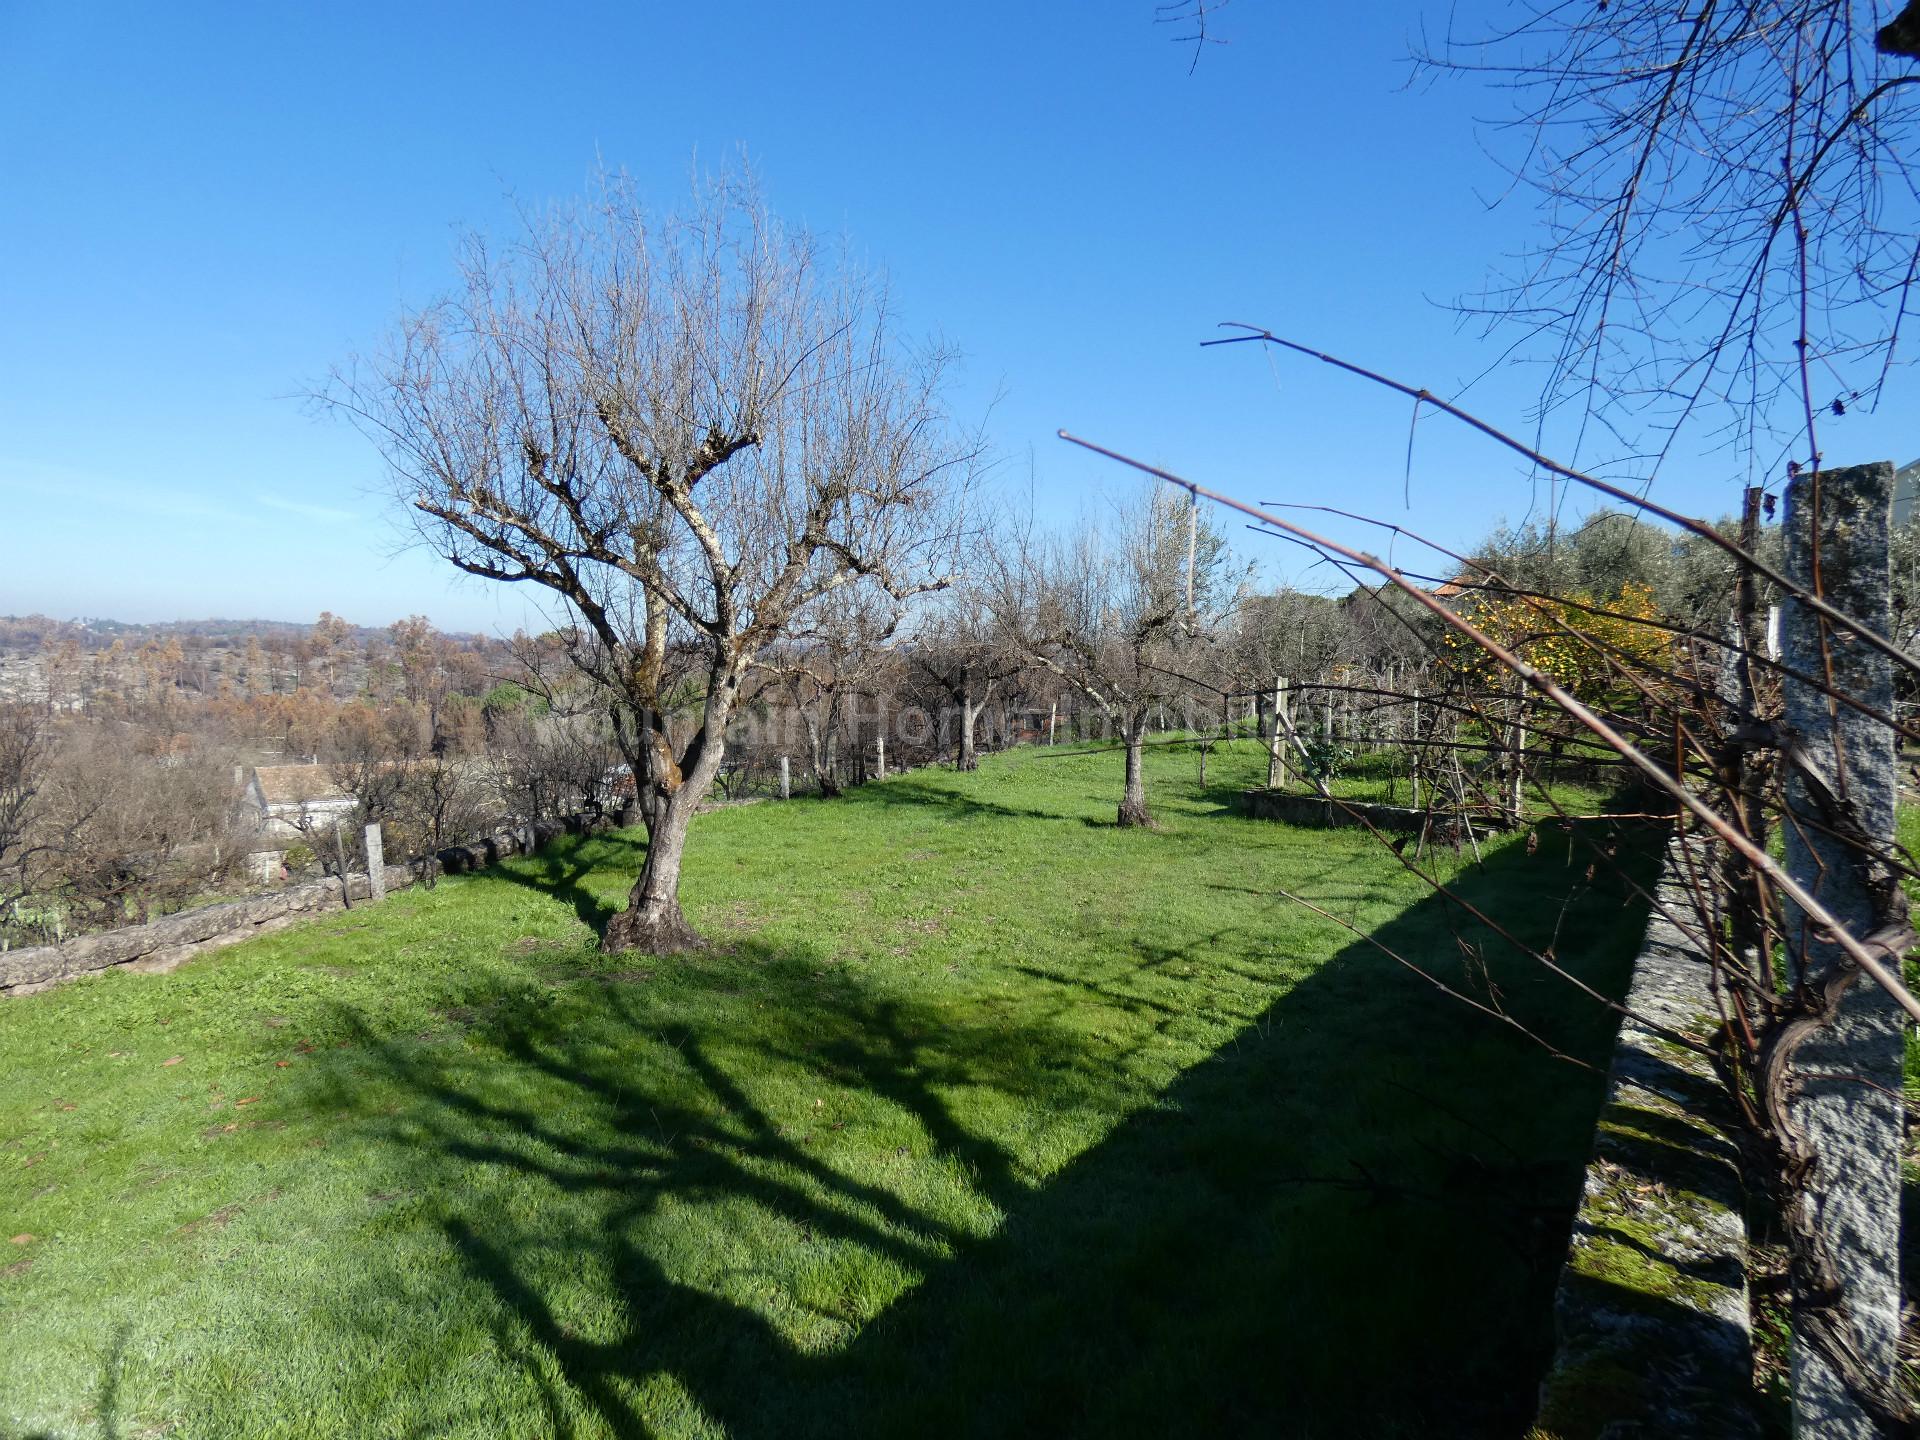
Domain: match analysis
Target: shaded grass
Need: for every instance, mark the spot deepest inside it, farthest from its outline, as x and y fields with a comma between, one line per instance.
x=983, y=1117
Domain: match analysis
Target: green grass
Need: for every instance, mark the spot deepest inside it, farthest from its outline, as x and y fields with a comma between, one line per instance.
x=984, y=1117
x=1380, y=776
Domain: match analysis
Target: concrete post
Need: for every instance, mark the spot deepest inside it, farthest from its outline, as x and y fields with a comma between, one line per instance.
x=786, y=779
x=1413, y=751
x=1517, y=756
x=376, y=865
x=1848, y=1100
x=1274, y=773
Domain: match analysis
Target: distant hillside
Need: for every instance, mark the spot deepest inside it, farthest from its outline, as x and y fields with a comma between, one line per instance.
x=27, y=633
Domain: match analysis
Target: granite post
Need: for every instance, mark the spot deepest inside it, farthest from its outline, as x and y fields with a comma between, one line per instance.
x=1847, y=1098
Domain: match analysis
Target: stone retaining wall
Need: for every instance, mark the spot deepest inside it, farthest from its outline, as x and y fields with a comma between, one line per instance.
x=162, y=944
x=1650, y=1318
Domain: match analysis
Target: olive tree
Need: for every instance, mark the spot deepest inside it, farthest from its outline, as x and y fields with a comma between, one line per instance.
x=690, y=429
x=1118, y=611
x=825, y=671
x=965, y=656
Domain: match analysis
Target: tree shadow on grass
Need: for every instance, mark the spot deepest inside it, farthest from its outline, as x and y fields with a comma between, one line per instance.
x=558, y=872
x=905, y=791
x=105, y=1416
x=1346, y=1220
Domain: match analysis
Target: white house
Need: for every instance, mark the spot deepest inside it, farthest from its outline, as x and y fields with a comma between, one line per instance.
x=279, y=797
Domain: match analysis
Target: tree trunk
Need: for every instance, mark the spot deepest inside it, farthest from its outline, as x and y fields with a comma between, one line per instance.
x=969, y=712
x=821, y=750
x=652, y=764
x=830, y=770
x=1133, y=806
x=652, y=920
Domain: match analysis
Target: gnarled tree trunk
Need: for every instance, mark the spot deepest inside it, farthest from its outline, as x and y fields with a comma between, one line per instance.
x=967, y=758
x=653, y=921
x=1133, y=805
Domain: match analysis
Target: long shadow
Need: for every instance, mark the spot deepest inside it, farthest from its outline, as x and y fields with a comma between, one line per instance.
x=1346, y=1221
x=558, y=873
x=106, y=1406
x=905, y=790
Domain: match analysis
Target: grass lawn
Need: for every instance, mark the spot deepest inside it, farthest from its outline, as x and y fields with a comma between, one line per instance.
x=1380, y=777
x=983, y=1118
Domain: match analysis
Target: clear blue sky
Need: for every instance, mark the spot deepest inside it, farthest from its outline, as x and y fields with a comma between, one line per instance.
x=204, y=206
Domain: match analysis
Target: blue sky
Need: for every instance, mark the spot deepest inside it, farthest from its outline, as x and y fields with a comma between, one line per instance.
x=204, y=206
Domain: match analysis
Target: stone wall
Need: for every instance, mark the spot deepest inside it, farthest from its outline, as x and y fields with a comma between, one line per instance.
x=162, y=944
x=1650, y=1317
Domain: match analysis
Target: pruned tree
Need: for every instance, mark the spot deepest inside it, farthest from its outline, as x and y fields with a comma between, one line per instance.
x=689, y=430
x=1113, y=611
x=967, y=658
x=824, y=671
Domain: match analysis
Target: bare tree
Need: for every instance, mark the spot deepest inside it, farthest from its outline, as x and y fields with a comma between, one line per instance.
x=23, y=756
x=826, y=670
x=690, y=430
x=1113, y=610
x=1729, y=210
x=442, y=803
x=367, y=756
x=124, y=833
x=967, y=658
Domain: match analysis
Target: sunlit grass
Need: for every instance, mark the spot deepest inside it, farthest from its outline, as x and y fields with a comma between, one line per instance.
x=983, y=1117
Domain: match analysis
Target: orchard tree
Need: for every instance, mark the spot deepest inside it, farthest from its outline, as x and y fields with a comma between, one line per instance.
x=690, y=429
x=1118, y=611
x=825, y=671
x=966, y=657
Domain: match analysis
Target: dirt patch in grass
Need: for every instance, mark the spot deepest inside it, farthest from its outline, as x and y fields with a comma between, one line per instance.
x=466, y=1015
x=233, y=1127
x=738, y=916
x=226, y=1214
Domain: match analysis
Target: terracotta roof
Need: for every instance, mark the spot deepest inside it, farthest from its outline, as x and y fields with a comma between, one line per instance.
x=297, y=784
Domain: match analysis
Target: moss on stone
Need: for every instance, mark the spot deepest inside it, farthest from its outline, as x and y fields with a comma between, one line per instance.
x=1580, y=1401
x=1624, y=1234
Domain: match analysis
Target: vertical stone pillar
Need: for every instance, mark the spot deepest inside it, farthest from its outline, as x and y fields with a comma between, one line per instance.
x=1848, y=1098
x=1413, y=750
x=1517, y=755
x=376, y=865
x=1274, y=773
x=786, y=779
